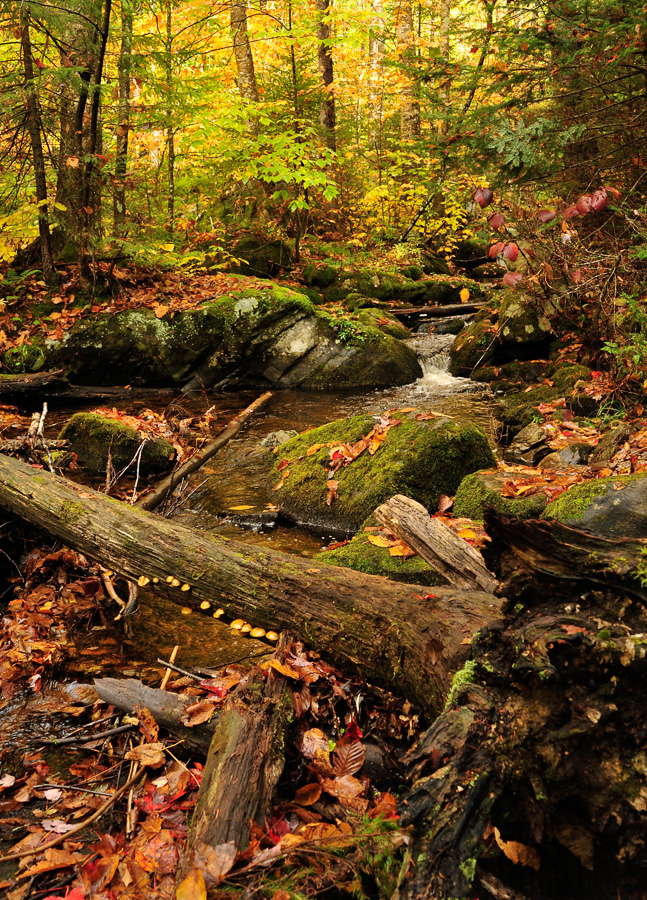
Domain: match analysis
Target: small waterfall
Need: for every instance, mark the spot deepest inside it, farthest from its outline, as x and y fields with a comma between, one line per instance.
x=433, y=355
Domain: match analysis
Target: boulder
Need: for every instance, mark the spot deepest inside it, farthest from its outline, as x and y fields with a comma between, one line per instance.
x=483, y=490
x=93, y=438
x=262, y=336
x=613, y=507
x=528, y=447
x=364, y=556
x=421, y=459
x=276, y=438
x=521, y=323
x=573, y=455
x=475, y=346
x=259, y=256
x=609, y=444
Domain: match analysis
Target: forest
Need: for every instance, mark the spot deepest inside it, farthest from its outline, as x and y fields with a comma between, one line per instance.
x=323, y=451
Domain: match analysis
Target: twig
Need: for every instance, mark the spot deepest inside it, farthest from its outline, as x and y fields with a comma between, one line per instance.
x=167, y=674
x=76, y=829
x=70, y=787
x=169, y=665
x=85, y=739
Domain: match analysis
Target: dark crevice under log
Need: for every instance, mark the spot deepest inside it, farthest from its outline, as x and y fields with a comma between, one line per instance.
x=396, y=635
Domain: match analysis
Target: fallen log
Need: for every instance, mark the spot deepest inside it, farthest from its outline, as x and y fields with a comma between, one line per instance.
x=456, y=560
x=437, y=312
x=395, y=634
x=129, y=694
x=165, y=489
x=30, y=390
x=245, y=762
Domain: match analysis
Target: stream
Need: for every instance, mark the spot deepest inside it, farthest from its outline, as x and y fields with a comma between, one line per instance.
x=234, y=477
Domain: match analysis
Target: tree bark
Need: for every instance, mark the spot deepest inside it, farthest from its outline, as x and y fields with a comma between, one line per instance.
x=409, y=103
x=445, y=22
x=123, y=122
x=324, y=56
x=456, y=560
x=246, y=74
x=396, y=635
x=38, y=159
x=170, y=131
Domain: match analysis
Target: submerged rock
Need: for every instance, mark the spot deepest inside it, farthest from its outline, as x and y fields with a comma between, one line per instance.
x=266, y=335
x=614, y=507
x=93, y=438
x=363, y=556
x=421, y=459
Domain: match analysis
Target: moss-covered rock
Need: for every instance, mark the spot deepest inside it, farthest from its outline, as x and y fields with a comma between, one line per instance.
x=566, y=377
x=320, y=276
x=380, y=318
x=262, y=257
x=435, y=265
x=475, y=346
x=387, y=286
x=414, y=273
x=611, y=507
x=419, y=459
x=521, y=322
x=265, y=335
x=26, y=358
x=362, y=555
x=482, y=490
x=93, y=438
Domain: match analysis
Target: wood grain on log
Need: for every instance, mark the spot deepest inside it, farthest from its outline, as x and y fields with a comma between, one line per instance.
x=456, y=560
x=395, y=634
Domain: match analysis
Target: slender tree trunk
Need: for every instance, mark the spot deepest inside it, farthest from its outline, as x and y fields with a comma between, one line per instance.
x=38, y=159
x=170, y=131
x=376, y=77
x=244, y=60
x=409, y=103
x=123, y=125
x=324, y=54
x=445, y=19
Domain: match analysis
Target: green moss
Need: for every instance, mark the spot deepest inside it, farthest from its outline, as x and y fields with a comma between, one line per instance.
x=71, y=512
x=574, y=502
x=363, y=556
x=477, y=493
x=418, y=459
x=566, y=377
x=93, y=438
x=466, y=675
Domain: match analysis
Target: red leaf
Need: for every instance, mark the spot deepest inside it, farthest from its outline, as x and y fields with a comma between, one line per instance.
x=570, y=212
x=512, y=279
x=484, y=196
x=615, y=193
x=495, y=249
x=546, y=215
x=600, y=200
x=497, y=221
x=511, y=252
x=584, y=204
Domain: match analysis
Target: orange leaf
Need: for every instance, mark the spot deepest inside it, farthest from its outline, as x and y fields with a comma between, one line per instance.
x=193, y=887
x=160, y=311
x=308, y=794
x=519, y=854
x=283, y=668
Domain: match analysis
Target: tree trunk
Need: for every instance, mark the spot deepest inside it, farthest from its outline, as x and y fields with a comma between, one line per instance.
x=38, y=159
x=445, y=21
x=409, y=103
x=247, y=86
x=324, y=55
x=396, y=635
x=170, y=130
x=123, y=122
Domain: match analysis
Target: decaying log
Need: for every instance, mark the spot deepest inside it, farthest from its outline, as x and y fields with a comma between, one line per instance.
x=395, y=634
x=456, y=560
x=129, y=694
x=31, y=389
x=165, y=489
x=245, y=762
x=532, y=782
x=436, y=312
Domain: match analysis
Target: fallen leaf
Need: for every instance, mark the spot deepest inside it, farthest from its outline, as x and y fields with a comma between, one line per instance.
x=380, y=540
x=308, y=794
x=192, y=887
x=197, y=713
x=161, y=310
x=464, y=295
x=147, y=754
x=283, y=668
x=214, y=862
x=312, y=741
x=238, y=508
x=519, y=854
x=348, y=756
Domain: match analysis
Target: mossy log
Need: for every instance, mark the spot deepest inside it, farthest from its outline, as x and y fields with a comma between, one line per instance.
x=395, y=634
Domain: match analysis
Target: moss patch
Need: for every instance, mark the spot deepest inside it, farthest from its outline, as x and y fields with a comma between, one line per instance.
x=418, y=459
x=573, y=503
x=362, y=555
x=94, y=437
x=481, y=491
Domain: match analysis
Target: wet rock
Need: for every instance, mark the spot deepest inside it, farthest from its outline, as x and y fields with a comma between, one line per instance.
x=483, y=490
x=521, y=322
x=614, y=507
x=265, y=335
x=420, y=459
x=276, y=438
x=363, y=556
x=475, y=346
x=608, y=445
x=448, y=326
x=93, y=438
x=573, y=455
x=528, y=447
